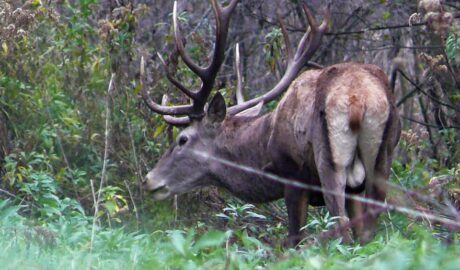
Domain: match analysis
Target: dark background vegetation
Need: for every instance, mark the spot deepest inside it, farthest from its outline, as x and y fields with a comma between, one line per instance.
x=73, y=151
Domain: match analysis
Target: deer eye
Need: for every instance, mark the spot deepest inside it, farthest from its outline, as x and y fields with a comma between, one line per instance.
x=182, y=140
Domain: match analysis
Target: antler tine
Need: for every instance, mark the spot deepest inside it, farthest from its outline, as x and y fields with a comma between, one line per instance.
x=181, y=48
x=287, y=41
x=312, y=39
x=164, y=110
x=308, y=45
x=175, y=121
x=175, y=82
x=222, y=22
x=239, y=76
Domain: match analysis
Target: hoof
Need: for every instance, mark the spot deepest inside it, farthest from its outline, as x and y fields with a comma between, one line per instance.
x=347, y=237
x=366, y=237
x=292, y=241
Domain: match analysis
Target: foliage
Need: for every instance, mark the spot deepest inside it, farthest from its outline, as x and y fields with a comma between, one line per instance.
x=63, y=244
x=453, y=48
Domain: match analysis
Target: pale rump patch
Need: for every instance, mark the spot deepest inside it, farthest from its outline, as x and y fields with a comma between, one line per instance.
x=354, y=129
x=343, y=144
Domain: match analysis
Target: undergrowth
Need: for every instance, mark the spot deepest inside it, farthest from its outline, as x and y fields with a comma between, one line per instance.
x=66, y=243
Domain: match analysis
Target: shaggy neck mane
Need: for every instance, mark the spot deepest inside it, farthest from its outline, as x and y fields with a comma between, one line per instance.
x=242, y=135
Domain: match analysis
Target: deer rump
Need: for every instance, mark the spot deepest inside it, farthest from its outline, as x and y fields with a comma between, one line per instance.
x=335, y=128
x=331, y=126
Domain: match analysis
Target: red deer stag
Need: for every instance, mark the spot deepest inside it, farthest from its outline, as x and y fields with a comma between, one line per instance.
x=335, y=128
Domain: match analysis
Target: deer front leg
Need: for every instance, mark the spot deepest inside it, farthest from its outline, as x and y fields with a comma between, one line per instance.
x=296, y=200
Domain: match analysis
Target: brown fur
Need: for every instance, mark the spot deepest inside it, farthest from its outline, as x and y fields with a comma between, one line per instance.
x=356, y=113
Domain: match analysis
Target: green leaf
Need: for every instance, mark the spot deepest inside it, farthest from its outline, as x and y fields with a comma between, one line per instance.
x=178, y=240
x=255, y=215
x=111, y=206
x=5, y=48
x=70, y=121
x=222, y=215
x=211, y=239
x=160, y=130
x=387, y=15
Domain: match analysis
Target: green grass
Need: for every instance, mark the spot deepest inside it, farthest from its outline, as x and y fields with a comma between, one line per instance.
x=66, y=244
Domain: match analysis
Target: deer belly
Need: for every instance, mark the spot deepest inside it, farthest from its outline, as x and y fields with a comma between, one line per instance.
x=258, y=190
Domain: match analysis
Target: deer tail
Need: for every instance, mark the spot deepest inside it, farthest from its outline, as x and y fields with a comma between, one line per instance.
x=356, y=113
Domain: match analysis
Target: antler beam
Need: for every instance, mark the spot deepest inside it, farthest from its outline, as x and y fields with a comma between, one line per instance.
x=309, y=43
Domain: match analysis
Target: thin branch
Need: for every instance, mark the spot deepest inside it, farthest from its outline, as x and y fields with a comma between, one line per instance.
x=406, y=97
x=379, y=28
x=418, y=88
x=104, y=164
x=136, y=162
x=8, y=193
x=106, y=135
x=96, y=209
x=133, y=202
x=428, y=124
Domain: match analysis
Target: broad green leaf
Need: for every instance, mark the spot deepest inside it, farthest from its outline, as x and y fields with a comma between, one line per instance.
x=5, y=48
x=211, y=239
x=177, y=240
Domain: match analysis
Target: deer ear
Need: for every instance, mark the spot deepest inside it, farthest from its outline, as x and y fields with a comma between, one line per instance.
x=217, y=109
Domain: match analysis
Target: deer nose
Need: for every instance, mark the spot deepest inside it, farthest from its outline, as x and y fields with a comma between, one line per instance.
x=159, y=189
x=148, y=177
x=152, y=184
x=149, y=185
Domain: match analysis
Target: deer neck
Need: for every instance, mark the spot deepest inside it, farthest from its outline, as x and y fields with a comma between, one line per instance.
x=244, y=141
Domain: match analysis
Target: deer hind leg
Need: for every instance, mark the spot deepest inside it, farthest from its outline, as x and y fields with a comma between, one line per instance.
x=375, y=190
x=355, y=187
x=333, y=182
x=334, y=159
x=377, y=161
x=339, y=166
x=297, y=205
x=355, y=211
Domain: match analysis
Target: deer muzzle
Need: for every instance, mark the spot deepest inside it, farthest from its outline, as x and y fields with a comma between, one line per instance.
x=159, y=189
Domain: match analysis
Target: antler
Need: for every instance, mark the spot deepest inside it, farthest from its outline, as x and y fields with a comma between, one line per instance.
x=206, y=74
x=239, y=76
x=309, y=43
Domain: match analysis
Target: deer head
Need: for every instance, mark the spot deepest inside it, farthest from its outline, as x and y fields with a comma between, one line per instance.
x=179, y=170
